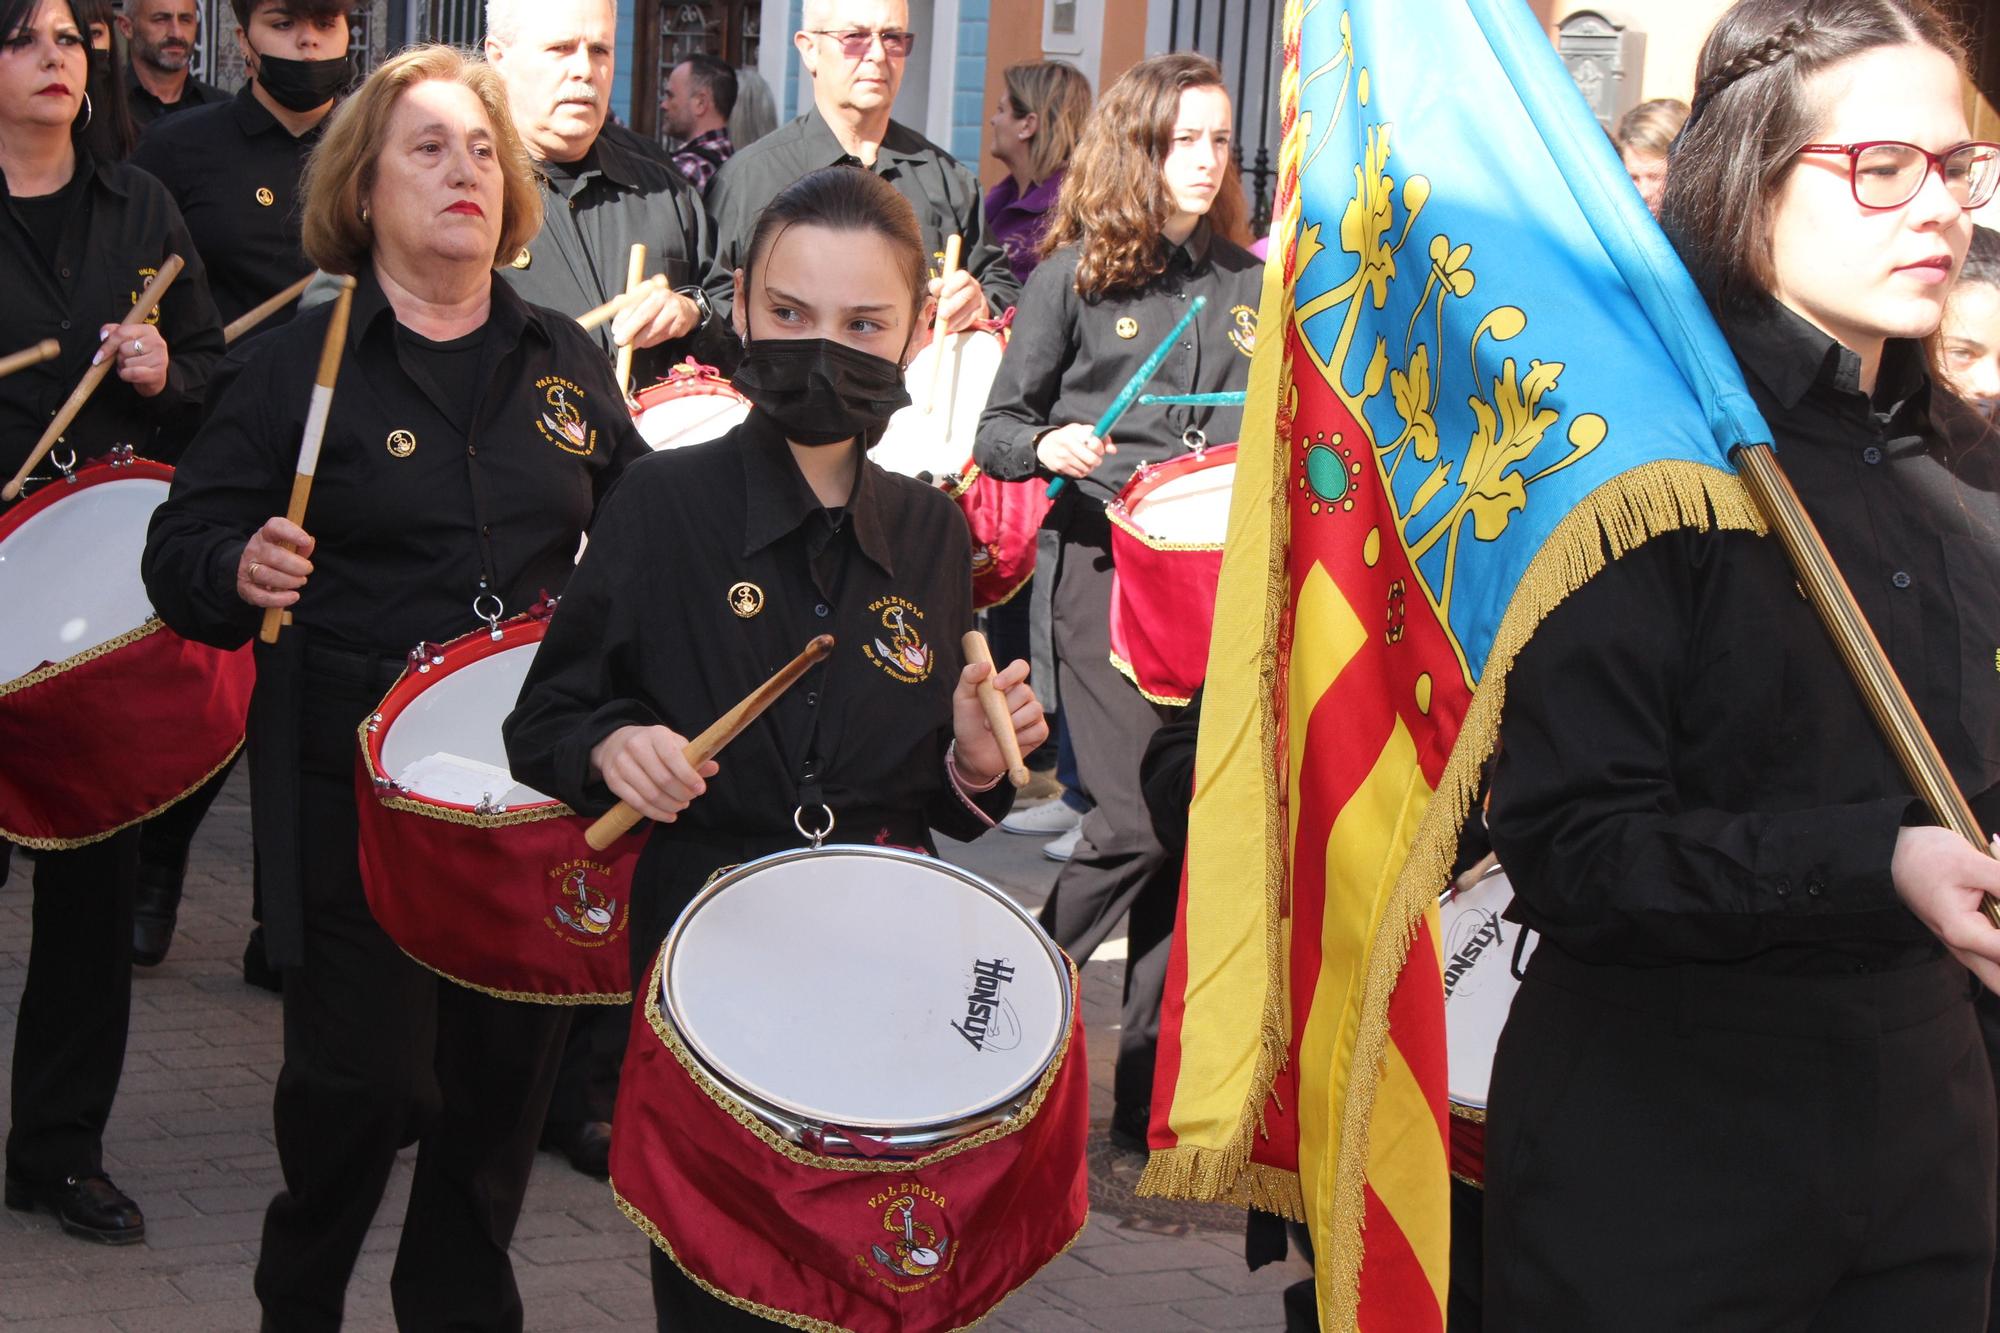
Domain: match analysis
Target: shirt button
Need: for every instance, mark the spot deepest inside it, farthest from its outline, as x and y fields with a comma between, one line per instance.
x=471, y=451
x=64, y=272
x=486, y=529
x=822, y=610
x=1815, y=886
x=812, y=698
x=65, y=323
x=1871, y=455
x=1783, y=885
x=1900, y=579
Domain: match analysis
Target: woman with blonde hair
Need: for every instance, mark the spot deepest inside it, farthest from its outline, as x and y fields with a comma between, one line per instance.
x=1151, y=216
x=440, y=499
x=1040, y=117
x=1645, y=138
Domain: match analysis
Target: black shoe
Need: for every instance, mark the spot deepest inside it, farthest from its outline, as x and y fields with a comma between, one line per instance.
x=587, y=1144
x=257, y=969
x=91, y=1207
x=154, y=912
x=1128, y=1132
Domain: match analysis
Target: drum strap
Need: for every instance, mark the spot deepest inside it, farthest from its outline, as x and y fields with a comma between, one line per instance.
x=273, y=744
x=489, y=579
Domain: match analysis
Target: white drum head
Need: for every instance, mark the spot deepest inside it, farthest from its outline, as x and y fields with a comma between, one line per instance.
x=1191, y=508
x=690, y=418
x=1479, y=983
x=69, y=576
x=866, y=988
x=445, y=744
x=938, y=443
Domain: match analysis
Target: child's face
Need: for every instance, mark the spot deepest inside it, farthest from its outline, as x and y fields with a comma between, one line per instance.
x=845, y=286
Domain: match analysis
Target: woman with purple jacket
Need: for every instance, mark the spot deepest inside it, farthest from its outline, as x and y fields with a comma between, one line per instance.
x=1035, y=128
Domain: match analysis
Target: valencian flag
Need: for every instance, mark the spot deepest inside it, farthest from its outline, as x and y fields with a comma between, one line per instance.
x=1485, y=374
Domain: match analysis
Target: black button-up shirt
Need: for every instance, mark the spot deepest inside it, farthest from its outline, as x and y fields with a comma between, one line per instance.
x=653, y=630
x=1069, y=358
x=944, y=194
x=594, y=211
x=234, y=171
x=1686, y=771
x=123, y=225
x=412, y=504
x=146, y=108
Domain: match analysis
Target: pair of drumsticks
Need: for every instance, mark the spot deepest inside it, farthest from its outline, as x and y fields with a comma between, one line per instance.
x=622, y=817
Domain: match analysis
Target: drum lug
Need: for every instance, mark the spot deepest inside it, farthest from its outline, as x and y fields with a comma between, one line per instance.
x=122, y=455
x=374, y=723
x=425, y=656
x=488, y=806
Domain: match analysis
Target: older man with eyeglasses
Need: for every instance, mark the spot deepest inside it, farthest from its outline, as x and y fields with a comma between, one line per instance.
x=855, y=51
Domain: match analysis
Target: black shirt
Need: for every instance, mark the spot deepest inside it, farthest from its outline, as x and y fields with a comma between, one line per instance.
x=944, y=194
x=410, y=511
x=1686, y=771
x=234, y=171
x=650, y=632
x=1069, y=358
x=594, y=211
x=122, y=225
x=44, y=216
x=146, y=108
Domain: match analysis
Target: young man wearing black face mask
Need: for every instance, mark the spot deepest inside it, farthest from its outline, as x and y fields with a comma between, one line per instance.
x=233, y=168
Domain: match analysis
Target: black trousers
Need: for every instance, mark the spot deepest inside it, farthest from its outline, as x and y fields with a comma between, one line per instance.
x=76, y=1005
x=1119, y=869
x=381, y=1053
x=587, y=1075
x=165, y=839
x=1710, y=1148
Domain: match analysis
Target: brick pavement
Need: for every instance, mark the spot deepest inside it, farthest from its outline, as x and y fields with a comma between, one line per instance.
x=191, y=1140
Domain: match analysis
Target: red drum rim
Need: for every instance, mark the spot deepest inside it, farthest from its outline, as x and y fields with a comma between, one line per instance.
x=687, y=379
x=1148, y=478
x=814, y=1141
x=435, y=664
x=94, y=473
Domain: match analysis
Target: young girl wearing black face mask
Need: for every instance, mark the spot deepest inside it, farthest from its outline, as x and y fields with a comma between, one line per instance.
x=711, y=566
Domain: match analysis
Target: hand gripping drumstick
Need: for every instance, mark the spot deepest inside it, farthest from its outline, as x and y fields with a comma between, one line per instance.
x=953, y=246
x=156, y=289
x=619, y=820
x=635, y=278
x=48, y=349
x=262, y=311
x=995, y=704
x=315, y=431
x=596, y=315
x=1130, y=393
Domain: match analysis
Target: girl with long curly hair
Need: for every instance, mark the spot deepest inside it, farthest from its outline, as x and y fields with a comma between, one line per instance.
x=1151, y=216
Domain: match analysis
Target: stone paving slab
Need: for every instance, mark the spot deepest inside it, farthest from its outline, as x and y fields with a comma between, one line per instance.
x=190, y=1139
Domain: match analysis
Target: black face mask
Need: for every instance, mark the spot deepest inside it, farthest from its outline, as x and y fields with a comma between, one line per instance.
x=821, y=392
x=304, y=85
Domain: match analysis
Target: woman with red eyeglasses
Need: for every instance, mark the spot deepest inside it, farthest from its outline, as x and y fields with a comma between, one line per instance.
x=1743, y=1085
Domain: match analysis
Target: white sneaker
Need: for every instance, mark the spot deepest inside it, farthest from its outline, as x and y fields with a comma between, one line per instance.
x=1064, y=847
x=1042, y=821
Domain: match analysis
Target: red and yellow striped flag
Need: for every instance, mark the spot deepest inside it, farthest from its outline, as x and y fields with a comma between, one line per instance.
x=1482, y=373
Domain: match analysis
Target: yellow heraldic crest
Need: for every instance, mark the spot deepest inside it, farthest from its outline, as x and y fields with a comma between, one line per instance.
x=916, y=1252
x=900, y=649
x=563, y=424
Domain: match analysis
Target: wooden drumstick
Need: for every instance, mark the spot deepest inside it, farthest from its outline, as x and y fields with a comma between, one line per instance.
x=591, y=318
x=170, y=269
x=619, y=820
x=953, y=246
x=995, y=704
x=262, y=311
x=315, y=431
x=635, y=278
x=48, y=349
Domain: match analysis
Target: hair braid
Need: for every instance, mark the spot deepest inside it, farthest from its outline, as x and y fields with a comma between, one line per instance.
x=1763, y=55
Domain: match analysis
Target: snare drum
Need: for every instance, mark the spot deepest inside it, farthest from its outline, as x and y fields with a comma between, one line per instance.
x=1167, y=527
x=856, y=1093
x=692, y=404
x=479, y=878
x=1479, y=988
x=92, y=678
x=932, y=438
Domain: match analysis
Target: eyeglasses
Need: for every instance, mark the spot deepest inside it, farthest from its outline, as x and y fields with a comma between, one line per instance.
x=1888, y=174
x=856, y=42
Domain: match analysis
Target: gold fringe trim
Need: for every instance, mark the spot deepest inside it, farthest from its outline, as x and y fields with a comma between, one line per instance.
x=1199, y=1173
x=1127, y=670
x=784, y=1147
x=524, y=996
x=1613, y=520
x=51, y=670
x=410, y=805
x=785, y=1318
x=71, y=844
x=1472, y=1113
x=1122, y=518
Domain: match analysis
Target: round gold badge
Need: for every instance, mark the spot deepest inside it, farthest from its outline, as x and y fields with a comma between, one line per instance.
x=401, y=443
x=521, y=260
x=265, y=197
x=1127, y=327
x=745, y=599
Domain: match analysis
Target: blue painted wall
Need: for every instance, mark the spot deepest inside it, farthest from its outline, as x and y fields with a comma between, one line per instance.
x=968, y=75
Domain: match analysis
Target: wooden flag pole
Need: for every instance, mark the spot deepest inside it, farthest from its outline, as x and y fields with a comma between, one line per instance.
x=1859, y=649
x=315, y=431
x=170, y=269
x=635, y=278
